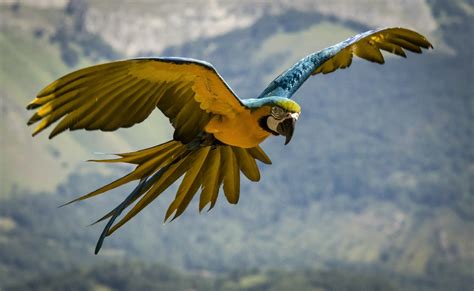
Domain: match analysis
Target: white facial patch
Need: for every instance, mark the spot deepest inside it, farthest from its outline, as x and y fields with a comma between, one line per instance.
x=272, y=123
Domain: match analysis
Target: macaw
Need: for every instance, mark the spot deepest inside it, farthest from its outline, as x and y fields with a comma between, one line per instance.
x=216, y=135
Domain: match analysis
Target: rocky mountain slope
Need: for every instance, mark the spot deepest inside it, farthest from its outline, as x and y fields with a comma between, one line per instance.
x=134, y=27
x=142, y=26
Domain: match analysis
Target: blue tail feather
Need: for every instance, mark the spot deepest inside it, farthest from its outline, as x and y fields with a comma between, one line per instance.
x=144, y=184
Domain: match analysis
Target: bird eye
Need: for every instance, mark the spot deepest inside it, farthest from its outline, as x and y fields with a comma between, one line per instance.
x=278, y=112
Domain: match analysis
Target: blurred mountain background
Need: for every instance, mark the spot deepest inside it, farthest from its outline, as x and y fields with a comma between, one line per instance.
x=375, y=192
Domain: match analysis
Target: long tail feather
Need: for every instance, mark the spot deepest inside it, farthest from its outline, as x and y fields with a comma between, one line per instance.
x=210, y=184
x=116, y=212
x=169, y=177
x=157, y=168
x=142, y=188
x=189, y=185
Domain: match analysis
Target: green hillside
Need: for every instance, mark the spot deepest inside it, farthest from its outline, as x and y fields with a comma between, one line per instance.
x=139, y=276
x=27, y=64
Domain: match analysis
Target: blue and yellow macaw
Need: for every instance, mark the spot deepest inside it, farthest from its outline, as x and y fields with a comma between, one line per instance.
x=216, y=136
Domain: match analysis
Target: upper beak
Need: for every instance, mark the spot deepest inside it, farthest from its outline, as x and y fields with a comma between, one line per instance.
x=287, y=128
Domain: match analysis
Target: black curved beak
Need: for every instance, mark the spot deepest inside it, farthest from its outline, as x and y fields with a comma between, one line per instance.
x=286, y=128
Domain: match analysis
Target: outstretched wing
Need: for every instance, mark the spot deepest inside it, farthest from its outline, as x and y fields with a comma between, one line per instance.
x=366, y=45
x=123, y=93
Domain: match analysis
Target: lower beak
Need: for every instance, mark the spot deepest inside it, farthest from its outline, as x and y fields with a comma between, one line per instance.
x=286, y=128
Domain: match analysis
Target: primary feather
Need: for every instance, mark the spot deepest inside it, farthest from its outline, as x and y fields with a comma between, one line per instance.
x=366, y=45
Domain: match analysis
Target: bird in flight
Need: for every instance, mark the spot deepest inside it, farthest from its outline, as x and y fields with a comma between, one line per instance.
x=216, y=135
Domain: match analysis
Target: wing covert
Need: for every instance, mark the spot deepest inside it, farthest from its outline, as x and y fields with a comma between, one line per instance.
x=367, y=45
x=122, y=93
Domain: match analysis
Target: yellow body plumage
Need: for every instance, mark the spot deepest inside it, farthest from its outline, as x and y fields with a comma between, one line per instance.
x=241, y=130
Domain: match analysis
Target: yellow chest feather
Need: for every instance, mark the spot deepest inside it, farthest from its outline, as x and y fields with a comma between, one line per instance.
x=242, y=130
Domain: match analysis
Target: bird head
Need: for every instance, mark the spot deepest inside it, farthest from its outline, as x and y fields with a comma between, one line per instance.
x=282, y=116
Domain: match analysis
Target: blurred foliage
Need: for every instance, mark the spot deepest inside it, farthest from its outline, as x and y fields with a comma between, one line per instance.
x=117, y=276
x=133, y=275
x=43, y=246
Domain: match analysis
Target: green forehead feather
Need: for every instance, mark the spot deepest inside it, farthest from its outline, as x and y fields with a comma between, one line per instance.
x=285, y=103
x=288, y=105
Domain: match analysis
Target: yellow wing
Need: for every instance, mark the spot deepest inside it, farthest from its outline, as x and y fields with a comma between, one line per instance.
x=123, y=93
x=367, y=45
